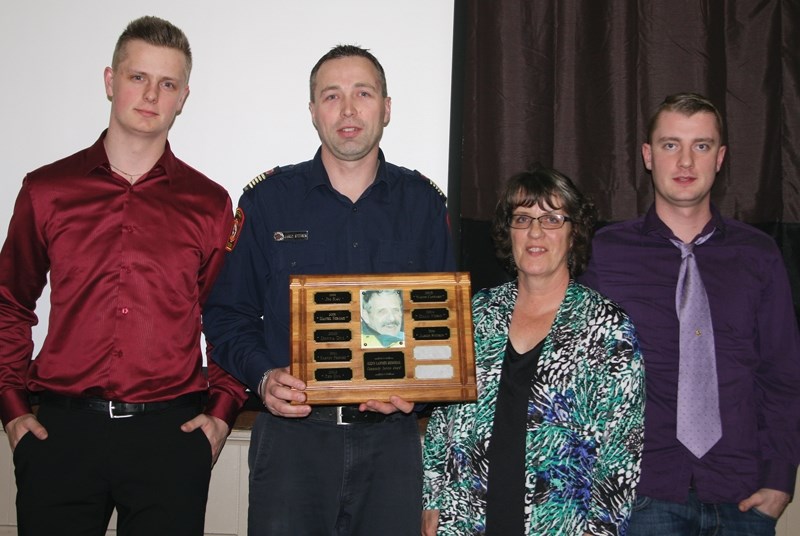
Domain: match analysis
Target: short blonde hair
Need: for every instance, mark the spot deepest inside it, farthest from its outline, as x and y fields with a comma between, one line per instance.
x=157, y=32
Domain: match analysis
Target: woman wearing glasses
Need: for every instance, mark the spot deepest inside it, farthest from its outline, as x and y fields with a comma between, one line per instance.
x=552, y=446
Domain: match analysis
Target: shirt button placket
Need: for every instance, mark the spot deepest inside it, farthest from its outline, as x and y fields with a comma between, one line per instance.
x=356, y=232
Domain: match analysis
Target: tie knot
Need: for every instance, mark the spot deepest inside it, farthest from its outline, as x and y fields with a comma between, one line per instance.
x=686, y=249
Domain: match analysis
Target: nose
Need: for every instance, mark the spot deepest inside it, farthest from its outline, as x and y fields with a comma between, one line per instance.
x=535, y=229
x=151, y=94
x=348, y=107
x=686, y=159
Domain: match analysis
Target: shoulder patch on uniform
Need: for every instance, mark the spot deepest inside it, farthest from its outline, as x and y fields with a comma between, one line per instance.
x=236, y=230
x=435, y=186
x=253, y=183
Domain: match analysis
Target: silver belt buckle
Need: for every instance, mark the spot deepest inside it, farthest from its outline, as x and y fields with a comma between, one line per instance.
x=339, y=417
x=111, y=412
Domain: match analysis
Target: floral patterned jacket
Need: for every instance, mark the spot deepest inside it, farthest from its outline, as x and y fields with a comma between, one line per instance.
x=584, y=429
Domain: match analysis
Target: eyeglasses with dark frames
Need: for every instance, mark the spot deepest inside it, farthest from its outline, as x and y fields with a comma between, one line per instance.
x=547, y=221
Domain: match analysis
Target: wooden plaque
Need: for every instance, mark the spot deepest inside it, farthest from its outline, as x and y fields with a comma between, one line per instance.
x=362, y=337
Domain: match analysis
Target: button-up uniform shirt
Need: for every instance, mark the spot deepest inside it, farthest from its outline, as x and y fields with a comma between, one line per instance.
x=757, y=353
x=293, y=222
x=129, y=266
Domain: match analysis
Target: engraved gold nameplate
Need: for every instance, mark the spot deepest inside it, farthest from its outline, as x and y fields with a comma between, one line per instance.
x=367, y=337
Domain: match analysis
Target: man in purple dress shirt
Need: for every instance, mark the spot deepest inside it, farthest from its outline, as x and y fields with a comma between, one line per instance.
x=743, y=483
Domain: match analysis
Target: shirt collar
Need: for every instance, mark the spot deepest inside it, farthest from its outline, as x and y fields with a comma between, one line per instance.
x=379, y=188
x=97, y=160
x=654, y=225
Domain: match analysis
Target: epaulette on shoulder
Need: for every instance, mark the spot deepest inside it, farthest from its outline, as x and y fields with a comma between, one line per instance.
x=434, y=186
x=269, y=173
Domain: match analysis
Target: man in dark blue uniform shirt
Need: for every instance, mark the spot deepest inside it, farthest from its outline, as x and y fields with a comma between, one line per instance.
x=345, y=211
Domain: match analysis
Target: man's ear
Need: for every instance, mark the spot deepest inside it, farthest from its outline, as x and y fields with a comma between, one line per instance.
x=108, y=82
x=721, y=156
x=647, y=156
x=311, y=112
x=183, y=100
x=387, y=112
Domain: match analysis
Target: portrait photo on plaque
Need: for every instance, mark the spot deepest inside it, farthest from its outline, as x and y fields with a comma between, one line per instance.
x=382, y=318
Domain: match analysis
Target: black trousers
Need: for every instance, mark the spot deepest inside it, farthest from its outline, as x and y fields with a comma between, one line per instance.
x=155, y=475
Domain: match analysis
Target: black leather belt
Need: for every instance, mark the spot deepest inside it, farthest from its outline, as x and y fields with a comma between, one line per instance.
x=117, y=410
x=345, y=415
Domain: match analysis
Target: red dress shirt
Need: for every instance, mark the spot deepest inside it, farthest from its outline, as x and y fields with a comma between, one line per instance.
x=130, y=266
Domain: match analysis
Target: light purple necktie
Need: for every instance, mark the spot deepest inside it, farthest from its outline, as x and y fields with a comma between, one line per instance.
x=699, y=424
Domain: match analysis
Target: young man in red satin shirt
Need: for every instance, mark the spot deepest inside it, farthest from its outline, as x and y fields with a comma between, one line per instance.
x=132, y=239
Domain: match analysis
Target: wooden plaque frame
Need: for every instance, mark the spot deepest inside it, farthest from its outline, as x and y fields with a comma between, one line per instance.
x=423, y=367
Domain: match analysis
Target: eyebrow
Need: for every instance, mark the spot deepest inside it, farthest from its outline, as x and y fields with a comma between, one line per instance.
x=162, y=78
x=334, y=87
x=695, y=140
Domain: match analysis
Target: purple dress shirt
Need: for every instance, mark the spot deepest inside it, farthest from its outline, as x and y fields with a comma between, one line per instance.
x=757, y=351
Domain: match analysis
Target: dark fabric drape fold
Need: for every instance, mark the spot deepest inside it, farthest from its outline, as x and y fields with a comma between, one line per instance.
x=572, y=83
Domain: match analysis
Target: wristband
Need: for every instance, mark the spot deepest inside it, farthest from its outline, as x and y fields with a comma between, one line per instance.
x=262, y=384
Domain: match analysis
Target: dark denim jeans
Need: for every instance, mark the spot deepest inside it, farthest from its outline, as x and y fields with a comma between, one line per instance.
x=652, y=517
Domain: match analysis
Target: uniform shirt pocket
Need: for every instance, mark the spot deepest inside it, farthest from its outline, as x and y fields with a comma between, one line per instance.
x=406, y=256
x=301, y=258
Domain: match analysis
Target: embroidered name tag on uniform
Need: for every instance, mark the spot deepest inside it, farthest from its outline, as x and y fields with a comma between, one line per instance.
x=283, y=236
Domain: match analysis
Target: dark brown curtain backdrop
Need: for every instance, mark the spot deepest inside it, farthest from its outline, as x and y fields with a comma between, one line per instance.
x=572, y=83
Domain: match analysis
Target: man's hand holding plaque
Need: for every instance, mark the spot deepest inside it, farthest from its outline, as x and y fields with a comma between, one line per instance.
x=283, y=395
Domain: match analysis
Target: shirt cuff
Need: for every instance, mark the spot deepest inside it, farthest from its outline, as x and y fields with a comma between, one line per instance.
x=13, y=403
x=779, y=475
x=224, y=407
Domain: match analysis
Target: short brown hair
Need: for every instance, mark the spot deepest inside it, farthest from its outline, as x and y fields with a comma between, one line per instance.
x=157, y=32
x=347, y=51
x=687, y=104
x=538, y=186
